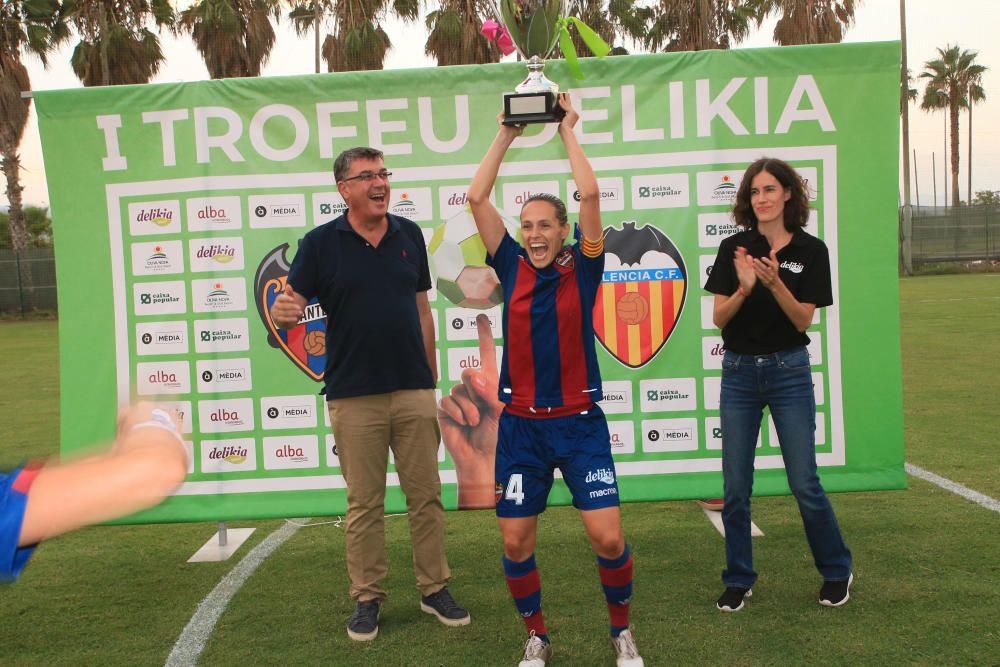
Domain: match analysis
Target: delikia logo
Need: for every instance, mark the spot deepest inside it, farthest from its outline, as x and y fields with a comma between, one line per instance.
x=229, y=454
x=160, y=217
x=223, y=254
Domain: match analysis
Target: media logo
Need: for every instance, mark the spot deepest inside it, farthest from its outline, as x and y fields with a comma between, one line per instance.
x=641, y=298
x=161, y=338
x=167, y=298
x=154, y=217
x=304, y=345
x=216, y=254
x=216, y=376
x=279, y=412
x=661, y=191
x=223, y=416
x=516, y=194
x=611, y=191
x=228, y=455
x=165, y=377
x=669, y=435
x=277, y=211
x=326, y=206
x=295, y=451
x=718, y=188
x=673, y=395
x=209, y=214
x=223, y=335
x=617, y=397
x=462, y=323
x=215, y=295
x=157, y=258
x=413, y=203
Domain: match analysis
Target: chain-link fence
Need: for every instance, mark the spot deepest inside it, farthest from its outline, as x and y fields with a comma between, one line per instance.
x=962, y=234
x=27, y=281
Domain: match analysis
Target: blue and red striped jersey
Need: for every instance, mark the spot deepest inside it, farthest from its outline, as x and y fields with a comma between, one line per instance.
x=549, y=363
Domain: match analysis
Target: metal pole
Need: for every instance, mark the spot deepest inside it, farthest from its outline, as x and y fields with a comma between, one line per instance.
x=20, y=286
x=916, y=177
x=944, y=160
x=934, y=177
x=223, y=538
x=907, y=211
x=969, y=190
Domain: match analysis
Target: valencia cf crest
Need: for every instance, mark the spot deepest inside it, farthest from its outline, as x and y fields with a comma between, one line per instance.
x=305, y=345
x=640, y=300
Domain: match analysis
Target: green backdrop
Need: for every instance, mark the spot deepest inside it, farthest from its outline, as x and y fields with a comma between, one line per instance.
x=171, y=205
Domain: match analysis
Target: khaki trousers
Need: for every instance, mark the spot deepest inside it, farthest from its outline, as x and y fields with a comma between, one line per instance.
x=364, y=428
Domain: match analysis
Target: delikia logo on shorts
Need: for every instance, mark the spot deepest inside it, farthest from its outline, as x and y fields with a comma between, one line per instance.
x=305, y=344
x=154, y=218
x=603, y=475
x=640, y=300
x=235, y=455
x=216, y=254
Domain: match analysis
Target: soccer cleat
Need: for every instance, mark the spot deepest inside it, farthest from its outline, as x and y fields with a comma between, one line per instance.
x=363, y=624
x=836, y=593
x=732, y=599
x=443, y=605
x=536, y=652
x=628, y=654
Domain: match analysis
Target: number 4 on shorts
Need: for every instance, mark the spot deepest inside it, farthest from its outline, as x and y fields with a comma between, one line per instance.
x=515, y=489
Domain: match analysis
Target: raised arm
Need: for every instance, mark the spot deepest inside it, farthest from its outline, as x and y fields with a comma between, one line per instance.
x=487, y=217
x=583, y=173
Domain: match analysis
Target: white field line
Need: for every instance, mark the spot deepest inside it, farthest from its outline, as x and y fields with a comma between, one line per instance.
x=954, y=487
x=196, y=633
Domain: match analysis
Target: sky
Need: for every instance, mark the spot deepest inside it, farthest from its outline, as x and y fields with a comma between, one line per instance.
x=930, y=24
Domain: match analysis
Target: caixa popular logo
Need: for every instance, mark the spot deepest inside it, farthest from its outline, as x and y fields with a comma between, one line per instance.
x=642, y=296
x=305, y=344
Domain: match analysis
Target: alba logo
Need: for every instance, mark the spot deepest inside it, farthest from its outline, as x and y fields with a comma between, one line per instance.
x=163, y=377
x=225, y=416
x=211, y=213
x=523, y=197
x=289, y=452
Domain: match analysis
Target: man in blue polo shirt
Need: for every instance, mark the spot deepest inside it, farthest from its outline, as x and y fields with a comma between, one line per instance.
x=368, y=268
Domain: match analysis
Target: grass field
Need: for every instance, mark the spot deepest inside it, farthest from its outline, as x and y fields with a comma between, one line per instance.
x=926, y=560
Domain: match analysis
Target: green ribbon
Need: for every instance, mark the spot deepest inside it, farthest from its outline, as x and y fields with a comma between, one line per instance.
x=593, y=41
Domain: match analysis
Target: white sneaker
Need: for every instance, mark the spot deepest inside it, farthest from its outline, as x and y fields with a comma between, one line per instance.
x=628, y=654
x=536, y=652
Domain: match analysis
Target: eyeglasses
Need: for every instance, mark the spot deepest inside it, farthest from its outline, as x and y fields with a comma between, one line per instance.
x=368, y=176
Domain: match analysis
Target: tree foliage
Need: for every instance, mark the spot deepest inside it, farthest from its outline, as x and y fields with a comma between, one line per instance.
x=696, y=25
x=116, y=46
x=234, y=37
x=812, y=21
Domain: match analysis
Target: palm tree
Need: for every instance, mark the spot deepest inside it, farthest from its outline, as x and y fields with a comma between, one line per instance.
x=812, y=21
x=696, y=25
x=454, y=37
x=308, y=16
x=357, y=41
x=26, y=27
x=115, y=45
x=954, y=82
x=613, y=20
x=235, y=37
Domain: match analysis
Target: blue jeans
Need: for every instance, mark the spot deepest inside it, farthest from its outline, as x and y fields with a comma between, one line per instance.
x=782, y=381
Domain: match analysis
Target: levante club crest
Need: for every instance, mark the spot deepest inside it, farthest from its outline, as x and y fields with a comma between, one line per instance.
x=305, y=345
x=640, y=301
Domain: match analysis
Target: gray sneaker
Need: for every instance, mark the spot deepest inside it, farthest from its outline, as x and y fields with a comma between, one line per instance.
x=363, y=624
x=536, y=652
x=443, y=605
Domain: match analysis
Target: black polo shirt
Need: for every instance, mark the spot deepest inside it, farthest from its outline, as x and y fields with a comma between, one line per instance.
x=760, y=326
x=374, y=344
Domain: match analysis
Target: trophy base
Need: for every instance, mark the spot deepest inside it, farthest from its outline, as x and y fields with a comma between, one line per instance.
x=528, y=108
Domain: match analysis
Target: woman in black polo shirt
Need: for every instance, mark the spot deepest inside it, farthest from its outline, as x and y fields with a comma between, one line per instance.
x=768, y=280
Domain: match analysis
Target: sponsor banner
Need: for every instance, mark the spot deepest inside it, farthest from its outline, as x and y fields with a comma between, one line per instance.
x=810, y=178
x=612, y=195
x=216, y=376
x=224, y=416
x=412, y=203
x=622, y=437
x=718, y=188
x=713, y=433
x=216, y=295
x=617, y=397
x=167, y=298
x=705, y=264
x=669, y=435
x=674, y=395
x=327, y=206
x=713, y=389
x=214, y=214
x=157, y=258
x=288, y=412
x=516, y=194
x=453, y=200
x=711, y=353
x=189, y=452
x=462, y=323
x=222, y=335
x=461, y=358
x=708, y=312
x=332, y=456
x=236, y=455
x=290, y=451
x=153, y=338
x=163, y=377
x=661, y=191
x=818, y=388
x=269, y=211
x=183, y=410
x=713, y=227
x=216, y=254
x=153, y=218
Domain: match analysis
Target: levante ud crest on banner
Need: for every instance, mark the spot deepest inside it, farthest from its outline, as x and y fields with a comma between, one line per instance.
x=640, y=301
x=304, y=345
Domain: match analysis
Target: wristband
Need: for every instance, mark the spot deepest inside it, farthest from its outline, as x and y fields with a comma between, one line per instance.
x=159, y=419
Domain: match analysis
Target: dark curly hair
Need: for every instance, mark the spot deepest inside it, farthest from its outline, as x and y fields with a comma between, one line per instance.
x=796, y=212
x=557, y=203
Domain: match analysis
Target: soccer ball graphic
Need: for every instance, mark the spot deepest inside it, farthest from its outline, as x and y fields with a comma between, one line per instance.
x=458, y=259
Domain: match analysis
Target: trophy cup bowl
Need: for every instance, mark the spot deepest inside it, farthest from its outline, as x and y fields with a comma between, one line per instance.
x=534, y=28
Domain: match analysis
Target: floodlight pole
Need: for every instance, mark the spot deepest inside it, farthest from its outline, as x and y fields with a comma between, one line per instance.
x=907, y=222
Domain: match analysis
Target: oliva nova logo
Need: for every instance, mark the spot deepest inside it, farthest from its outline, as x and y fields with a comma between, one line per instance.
x=218, y=252
x=218, y=292
x=229, y=453
x=161, y=217
x=726, y=185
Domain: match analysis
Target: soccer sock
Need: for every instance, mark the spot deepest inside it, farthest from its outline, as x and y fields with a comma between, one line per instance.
x=616, y=579
x=526, y=589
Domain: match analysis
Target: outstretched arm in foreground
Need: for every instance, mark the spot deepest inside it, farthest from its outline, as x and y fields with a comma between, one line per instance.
x=583, y=173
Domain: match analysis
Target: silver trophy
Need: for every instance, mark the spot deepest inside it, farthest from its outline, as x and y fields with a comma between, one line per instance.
x=534, y=28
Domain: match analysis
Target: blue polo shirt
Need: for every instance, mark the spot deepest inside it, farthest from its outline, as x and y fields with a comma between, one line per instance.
x=374, y=344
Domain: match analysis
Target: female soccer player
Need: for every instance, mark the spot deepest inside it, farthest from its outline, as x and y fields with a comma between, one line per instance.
x=549, y=384
x=768, y=280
